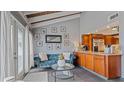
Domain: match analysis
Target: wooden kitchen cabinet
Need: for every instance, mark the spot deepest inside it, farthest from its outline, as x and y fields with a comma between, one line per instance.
x=98, y=36
x=109, y=40
x=113, y=66
x=107, y=65
x=83, y=60
x=89, y=62
x=80, y=59
x=85, y=39
x=99, y=64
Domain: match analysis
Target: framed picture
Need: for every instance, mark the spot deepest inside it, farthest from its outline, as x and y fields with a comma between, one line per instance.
x=43, y=30
x=54, y=29
x=53, y=39
x=66, y=43
x=36, y=36
x=63, y=28
x=49, y=46
x=39, y=43
x=66, y=36
x=57, y=46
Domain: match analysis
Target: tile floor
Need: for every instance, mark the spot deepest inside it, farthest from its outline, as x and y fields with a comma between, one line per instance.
x=80, y=75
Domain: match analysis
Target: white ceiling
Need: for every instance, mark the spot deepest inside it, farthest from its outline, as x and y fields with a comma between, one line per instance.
x=51, y=18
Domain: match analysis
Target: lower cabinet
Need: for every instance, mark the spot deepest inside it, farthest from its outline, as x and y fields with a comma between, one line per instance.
x=83, y=59
x=80, y=59
x=113, y=66
x=108, y=66
x=99, y=64
x=89, y=62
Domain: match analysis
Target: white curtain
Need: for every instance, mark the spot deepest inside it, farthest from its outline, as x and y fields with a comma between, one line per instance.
x=26, y=50
x=31, y=49
x=5, y=51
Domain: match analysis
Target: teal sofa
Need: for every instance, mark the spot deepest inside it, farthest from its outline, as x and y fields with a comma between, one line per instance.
x=52, y=59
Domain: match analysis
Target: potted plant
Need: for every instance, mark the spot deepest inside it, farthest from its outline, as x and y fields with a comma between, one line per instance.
x=61, y=61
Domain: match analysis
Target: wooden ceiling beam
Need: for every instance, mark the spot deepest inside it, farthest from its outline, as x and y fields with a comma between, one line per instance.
x=41, y=13
x=55, y=21
x=51, y=16
x=55, y=18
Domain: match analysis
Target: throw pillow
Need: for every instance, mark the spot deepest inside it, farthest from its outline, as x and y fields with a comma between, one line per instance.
x=43, y=56
x=66, y=55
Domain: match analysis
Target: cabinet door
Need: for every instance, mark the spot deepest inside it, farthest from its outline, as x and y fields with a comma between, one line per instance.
x=115, y=40
x=89, y=62
x=111, y=40
x=108, y=40
x=83, y=59
x=99, y=64
x=78, y=61
x=85, y=39
x=113, y=66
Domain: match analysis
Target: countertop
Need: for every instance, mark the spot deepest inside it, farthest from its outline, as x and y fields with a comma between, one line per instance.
x=99, y=53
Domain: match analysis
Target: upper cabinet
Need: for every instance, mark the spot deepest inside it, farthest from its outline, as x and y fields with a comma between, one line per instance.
x=98, y=36
x=85, y=39
x=109, y=40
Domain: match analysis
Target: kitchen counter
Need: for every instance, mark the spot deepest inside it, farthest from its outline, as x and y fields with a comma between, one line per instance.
x=99, y=53
x=106, y=65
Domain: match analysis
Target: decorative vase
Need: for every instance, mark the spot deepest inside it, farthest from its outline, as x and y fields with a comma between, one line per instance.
x=61, y=63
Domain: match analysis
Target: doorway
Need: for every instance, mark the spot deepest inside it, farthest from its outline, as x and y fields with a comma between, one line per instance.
x=17, y=31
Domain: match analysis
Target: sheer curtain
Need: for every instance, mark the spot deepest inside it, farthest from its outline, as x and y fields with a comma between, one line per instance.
x=26, y=50
x=31, y=49
x=5, y=42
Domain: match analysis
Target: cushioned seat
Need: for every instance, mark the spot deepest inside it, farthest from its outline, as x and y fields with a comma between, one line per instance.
x=52, y=59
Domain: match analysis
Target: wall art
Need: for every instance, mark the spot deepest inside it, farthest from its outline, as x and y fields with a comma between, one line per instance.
x=39, y=43
x=57, y=46
x=63, y=28
x=36, y=36
x=66, y=36
x=66, y=43
x=54, y=29
x=49, y=46
x=43, y=30
x=53, y=39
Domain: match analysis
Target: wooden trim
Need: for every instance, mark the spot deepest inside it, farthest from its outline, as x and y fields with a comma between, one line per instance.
x=41, y=13
x=54, y=18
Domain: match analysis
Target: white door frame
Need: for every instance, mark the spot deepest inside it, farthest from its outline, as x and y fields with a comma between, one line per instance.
x=18, y=76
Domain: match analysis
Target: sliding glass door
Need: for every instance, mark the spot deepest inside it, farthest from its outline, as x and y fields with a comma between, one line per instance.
x=20, y=50
x=18, y=47
x=11, y=47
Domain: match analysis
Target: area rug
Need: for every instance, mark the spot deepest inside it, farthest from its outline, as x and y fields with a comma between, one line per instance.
x=36, y=77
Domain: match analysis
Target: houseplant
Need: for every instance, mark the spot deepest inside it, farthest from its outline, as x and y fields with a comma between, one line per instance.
x=61, y=61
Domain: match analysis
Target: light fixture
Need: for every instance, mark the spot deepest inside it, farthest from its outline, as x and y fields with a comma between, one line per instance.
x=107, y=26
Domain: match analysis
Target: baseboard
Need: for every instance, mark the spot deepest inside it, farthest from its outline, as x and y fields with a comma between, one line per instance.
x=95, y=73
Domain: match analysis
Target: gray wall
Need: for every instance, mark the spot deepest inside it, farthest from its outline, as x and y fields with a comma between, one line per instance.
x=0, y=45
x=92, y=20
x=72, y=27
x=121, y=36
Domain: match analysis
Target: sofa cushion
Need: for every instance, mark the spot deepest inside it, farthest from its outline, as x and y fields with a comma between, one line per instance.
x=43, y=56
x=66, y=55
x=53, y=57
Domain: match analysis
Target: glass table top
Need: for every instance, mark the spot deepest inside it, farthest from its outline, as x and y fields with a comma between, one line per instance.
x=67, y=66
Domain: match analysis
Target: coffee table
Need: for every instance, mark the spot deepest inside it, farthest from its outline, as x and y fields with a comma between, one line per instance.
x=64, y=72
